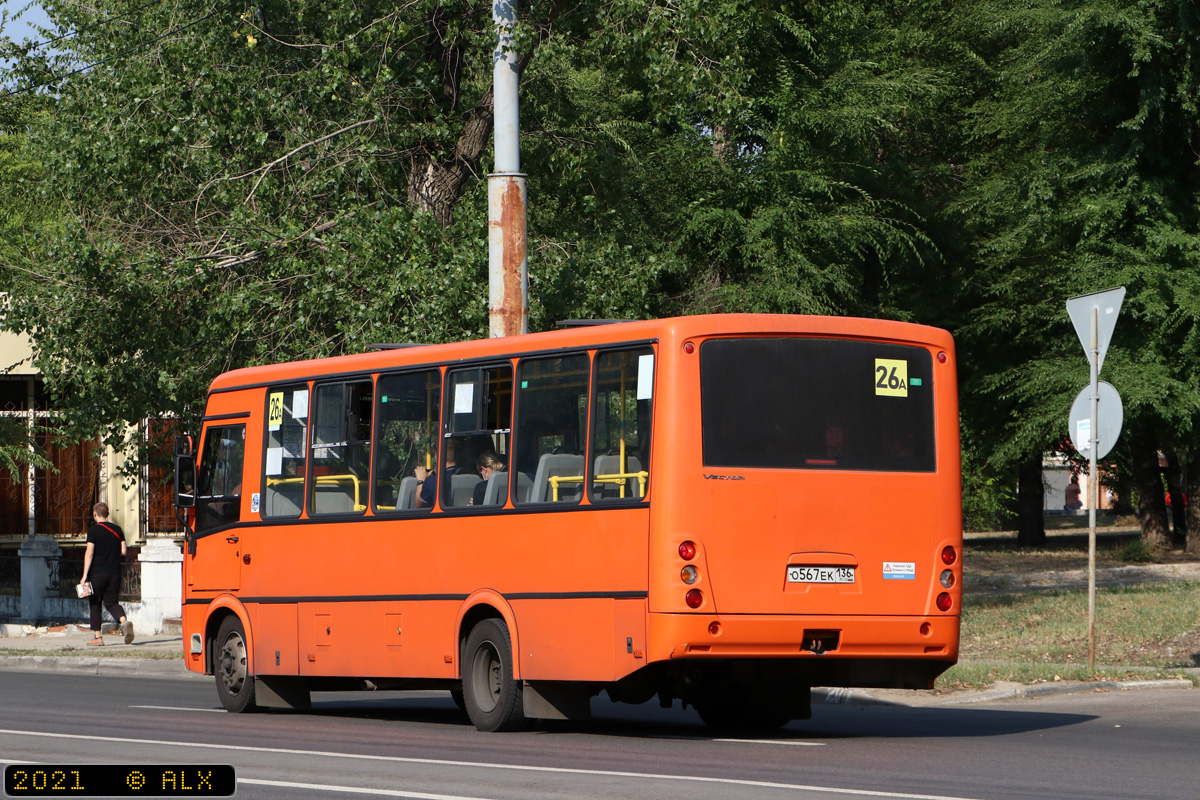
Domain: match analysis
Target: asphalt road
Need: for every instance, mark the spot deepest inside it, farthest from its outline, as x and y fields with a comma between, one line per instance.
x=1104, y=745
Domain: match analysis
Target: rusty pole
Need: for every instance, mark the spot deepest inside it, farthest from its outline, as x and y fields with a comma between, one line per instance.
x=508, y=267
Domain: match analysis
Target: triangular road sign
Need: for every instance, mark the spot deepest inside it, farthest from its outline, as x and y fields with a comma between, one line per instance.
x=1108, y=306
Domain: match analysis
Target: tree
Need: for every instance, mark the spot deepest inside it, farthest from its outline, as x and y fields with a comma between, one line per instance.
x=254, y=183
x=1083, y=176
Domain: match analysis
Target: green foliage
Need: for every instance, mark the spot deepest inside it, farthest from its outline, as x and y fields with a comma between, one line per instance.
x=253, y=183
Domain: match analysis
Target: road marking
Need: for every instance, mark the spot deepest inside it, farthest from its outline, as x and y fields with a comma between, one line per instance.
x=355, y=790
x=788, y=742
x=183, y=708
x=439, y=762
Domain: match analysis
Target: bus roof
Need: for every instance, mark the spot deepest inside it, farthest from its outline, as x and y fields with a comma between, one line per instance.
x=581, y=337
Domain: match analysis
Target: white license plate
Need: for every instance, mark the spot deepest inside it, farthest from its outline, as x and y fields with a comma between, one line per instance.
x=820, y=574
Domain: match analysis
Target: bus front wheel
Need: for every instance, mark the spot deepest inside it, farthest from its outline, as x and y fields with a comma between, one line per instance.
x=491, y=695
x=235, y=684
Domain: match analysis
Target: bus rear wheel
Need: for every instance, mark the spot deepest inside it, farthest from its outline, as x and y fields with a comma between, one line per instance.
x=491, y=695
x=235, y=684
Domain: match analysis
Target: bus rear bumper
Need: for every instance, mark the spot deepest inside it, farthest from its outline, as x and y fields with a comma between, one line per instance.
x=698, y=636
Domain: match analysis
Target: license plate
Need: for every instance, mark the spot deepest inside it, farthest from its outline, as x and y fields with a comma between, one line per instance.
x=820, y=574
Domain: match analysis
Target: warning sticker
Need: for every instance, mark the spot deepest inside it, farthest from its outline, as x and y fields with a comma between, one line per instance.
x=899, y=570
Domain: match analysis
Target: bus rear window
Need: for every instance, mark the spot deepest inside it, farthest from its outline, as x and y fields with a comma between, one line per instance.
x=793, y=403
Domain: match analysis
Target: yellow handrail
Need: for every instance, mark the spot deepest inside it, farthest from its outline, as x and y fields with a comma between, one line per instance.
x=618, y=478
x=328, y=479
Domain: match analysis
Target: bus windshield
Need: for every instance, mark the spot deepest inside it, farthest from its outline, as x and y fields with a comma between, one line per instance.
x=803, y=403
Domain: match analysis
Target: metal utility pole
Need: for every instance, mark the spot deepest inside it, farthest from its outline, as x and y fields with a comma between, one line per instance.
x=508, y=267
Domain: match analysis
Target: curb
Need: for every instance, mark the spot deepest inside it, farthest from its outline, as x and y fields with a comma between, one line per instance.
x=1005, y=691
x=82, y=665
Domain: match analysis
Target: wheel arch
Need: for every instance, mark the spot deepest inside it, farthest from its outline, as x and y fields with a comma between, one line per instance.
x=221, y=608
x=485, y=604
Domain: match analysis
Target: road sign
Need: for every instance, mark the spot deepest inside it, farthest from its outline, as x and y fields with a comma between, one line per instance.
x=1108, y=305
x=1108, y=426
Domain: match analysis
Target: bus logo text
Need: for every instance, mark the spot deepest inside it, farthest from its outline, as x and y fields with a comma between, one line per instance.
x=708, y=477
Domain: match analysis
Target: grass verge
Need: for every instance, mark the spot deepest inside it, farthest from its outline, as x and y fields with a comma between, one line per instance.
x=1142, y=632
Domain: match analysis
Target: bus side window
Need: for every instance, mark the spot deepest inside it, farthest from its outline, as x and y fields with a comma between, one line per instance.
x=219, y=490
x=478, y=421
x=551, y=426
x=341, y=448
x=284, y=463
x=408, y=412
x=621, y=415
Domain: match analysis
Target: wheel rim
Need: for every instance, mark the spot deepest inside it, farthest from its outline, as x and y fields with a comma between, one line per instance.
x=233, y=664
x=486, y=677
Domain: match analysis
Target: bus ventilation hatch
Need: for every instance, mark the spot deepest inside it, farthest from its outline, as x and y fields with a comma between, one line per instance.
x=820, y=642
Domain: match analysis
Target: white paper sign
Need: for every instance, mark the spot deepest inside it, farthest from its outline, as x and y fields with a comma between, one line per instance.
x=464, y=398
x=274, y=460
x=300, y=404
x=645, y=379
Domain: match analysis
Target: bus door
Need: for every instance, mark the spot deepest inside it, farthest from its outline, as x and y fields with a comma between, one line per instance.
x=217, y=562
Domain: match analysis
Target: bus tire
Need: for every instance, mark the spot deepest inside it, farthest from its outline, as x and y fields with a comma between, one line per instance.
x=235, y=684
x=491, y=695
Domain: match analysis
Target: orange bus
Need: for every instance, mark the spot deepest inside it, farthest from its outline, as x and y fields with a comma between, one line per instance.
x=724, y=510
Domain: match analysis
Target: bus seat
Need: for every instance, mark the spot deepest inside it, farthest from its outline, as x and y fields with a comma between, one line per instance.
x=462, y=487
x=557, y=465
x=284, y=502
x=611, y=465
x=408, y=491
x=332, y=499
x=524, y=487
x=497, y=489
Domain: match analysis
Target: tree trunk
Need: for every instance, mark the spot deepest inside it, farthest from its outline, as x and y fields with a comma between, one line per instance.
x=434, y=185
x=1152, y=510
x=1193, y=508
x=1177, y=490
x=1031, y=497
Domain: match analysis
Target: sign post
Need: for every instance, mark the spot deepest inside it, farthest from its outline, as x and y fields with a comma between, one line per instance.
x=1094, y=317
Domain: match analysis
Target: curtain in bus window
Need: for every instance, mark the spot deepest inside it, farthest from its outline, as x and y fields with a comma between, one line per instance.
x=552, y=407
x=621, y=415
x=341, y=448
x=219, y=489
x=408, y=413
x=478, y=421
x=283, y=462
x=794, y=403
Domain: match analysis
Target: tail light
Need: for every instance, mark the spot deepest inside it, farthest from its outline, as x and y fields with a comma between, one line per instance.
x=943, y=601
x=947, y=578
x=695, y=599
x=687, y=551
x=689, y=574
x=949, y=555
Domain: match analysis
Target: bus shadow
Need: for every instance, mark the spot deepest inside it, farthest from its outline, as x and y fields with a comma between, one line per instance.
x=829, y=722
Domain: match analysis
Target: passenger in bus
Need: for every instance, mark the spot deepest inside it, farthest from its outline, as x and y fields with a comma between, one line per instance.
x=427, y=480
x=488, y=463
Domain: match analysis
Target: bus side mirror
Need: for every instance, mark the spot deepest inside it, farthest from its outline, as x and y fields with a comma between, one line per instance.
x=183, y=444
x=185, y=479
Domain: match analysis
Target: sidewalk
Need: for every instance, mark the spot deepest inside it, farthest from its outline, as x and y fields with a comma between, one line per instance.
x=64, y=648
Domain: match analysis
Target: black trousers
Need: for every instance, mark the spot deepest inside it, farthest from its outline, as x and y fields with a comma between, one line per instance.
x=106, y=586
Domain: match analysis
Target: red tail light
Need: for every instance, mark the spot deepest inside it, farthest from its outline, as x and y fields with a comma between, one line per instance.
x=695, y=599
x=943, y=601
x=949, y=556
x=687, y=551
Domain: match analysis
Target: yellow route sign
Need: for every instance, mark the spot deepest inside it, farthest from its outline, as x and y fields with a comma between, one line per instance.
x=275, y=411
x=891, y=377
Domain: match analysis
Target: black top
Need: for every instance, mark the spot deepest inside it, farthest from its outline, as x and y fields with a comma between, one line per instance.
x=106, y=557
